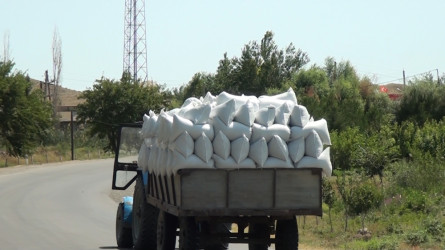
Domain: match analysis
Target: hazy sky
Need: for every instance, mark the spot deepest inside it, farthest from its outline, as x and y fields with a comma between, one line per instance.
x=380, y=38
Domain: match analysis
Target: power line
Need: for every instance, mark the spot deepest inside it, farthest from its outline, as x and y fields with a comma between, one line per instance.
x=411, y=76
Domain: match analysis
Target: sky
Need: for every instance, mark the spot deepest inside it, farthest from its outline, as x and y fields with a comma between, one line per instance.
x=380, y=38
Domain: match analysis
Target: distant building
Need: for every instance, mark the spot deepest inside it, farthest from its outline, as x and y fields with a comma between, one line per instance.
x=394, y=90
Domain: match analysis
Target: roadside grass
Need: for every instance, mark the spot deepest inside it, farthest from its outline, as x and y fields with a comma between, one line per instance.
x=54, y=154
x=412, y=215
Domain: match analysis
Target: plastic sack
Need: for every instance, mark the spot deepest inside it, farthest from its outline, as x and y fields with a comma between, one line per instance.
x=265, y=116
x=230, y=163
x=193, y=161
x=278, y=148
x=321, y=126
x=221, y=145
x=259, y=152
x=181, y=124
x=282, y=114
x=273, y=162
x=323, y=162
x=296, y=149
x=239, y=149
x=259, y=131
x=225, y=112
x=239, y=100
x=299, y=116
x=246, y=114
x=313, y=145
x=203, y=148
x=233, y=131
x=197, y=114
x=184, y=144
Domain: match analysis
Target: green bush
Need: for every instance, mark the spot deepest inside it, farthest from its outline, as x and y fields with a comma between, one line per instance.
x=382, y=244
x=416, y=238
x=434, y=227
x=416, y=201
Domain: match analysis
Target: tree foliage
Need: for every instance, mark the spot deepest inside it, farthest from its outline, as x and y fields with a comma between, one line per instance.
x=423, y=99
x=112, y=102
x=25, y=119
x=261, y=66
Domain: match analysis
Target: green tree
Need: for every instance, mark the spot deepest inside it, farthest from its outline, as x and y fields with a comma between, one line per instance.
x=113, y=102
x=423, y=99
x=329, y=197
x=25, y=118
x=261, y=66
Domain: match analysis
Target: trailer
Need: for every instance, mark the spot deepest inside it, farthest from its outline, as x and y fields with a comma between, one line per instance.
x=210, y=208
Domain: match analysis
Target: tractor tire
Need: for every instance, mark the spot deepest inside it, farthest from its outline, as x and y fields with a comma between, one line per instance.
x=287, y=235
x=124, y=237
x=188, y=233
x=166, y=231
x=144, y=221
x=259, y=231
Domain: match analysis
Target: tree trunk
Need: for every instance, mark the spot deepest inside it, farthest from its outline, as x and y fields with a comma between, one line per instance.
x=330, y=220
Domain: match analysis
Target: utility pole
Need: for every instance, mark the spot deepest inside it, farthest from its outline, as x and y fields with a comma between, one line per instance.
x=404, y=79
x=438, y=79
x=46, y=84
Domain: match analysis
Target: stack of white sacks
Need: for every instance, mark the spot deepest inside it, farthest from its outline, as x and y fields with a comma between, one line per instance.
x=235, y=132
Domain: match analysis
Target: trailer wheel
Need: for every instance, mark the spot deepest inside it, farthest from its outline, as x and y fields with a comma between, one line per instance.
x=259, y=231
x=287, y=235
x=166, y=231
x=188, y=234
x=123, y=233
x=144, y=221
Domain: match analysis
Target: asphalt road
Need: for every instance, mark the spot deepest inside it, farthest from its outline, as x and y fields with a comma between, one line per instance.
x=59, y=206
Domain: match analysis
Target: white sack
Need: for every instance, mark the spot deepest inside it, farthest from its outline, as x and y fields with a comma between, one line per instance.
x=259, y=131
x=239, y=100
x=224, y=111
x=165, y=122
x=233, y=131
x=204, y=148
x=193, y=101
x=273, y=162
x=181, y=124
x=230, y=163
x=299, y=116
x=193, y=161
x=239, y=149
x=296, y=149
x=150, y=127
x=184, y=144
x=282, y=114
x=278, y=148
x=297, y=132
x=221, y=145
x=197, y=114
x=321, y=126
x=258, y=152
x=265, y=116
x=277, y=100
x=246, y=114
x=152, y=159
x=164, y=161
x=323, y=162
x=313, y=145
x=209, y=99
x=144, y=153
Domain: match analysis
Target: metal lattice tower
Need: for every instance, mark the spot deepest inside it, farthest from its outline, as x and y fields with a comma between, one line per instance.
x=135, y=46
